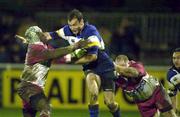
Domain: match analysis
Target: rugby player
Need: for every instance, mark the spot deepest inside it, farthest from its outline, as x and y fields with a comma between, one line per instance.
x=146, y=91
x=173, y=76
x=97, y=65
x=37, y=64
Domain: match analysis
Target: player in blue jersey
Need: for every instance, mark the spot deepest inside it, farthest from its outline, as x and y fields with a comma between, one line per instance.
x=173, y=76
x=97, y=65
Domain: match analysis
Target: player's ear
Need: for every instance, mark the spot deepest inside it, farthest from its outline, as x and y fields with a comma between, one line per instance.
x=82, y=21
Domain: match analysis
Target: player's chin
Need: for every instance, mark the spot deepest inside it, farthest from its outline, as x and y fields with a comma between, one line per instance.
x=177, y=66
x=75, y=32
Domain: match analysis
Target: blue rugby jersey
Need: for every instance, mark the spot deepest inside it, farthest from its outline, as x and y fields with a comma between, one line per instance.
x=103, y=62
x=172, y=73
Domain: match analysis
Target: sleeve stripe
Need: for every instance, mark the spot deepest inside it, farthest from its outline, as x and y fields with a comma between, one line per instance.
x=96, y=42
x=93, y=39
x=93, y=44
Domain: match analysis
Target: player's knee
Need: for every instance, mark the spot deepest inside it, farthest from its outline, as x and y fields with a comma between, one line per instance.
x=44, y=114
x=93, y=91
x=40, y=103
x=91, y=77
x=45, y=109
x=113, y=106
x=93, y=99
x=92, y=84
x=108, y=100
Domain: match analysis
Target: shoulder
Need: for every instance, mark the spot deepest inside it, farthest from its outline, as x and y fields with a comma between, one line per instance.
x=90, y=27
x=66, y=30
x=90, y=30
x=171, y=73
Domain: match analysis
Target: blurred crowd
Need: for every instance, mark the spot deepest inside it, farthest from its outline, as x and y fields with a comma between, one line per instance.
x=12, y=50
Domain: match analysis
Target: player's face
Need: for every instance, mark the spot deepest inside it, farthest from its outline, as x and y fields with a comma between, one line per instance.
x=176, y=59
x=76, y=25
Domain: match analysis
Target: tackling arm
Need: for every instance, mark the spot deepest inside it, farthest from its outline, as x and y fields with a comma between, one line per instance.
x=86, y=59
x=59, y=52
x=127, y=71
x=46, y=36
x=51, y=54
x=92, y=52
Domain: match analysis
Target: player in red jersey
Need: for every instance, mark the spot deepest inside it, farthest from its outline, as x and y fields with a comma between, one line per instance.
x=147, y=92
x=37, y=64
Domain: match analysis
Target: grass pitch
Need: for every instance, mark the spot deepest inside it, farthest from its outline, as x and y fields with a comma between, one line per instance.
x=6, y=112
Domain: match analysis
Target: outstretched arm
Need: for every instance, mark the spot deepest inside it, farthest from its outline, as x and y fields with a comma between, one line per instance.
x=90, y=56
x=23, y=39
x=45, y=54
x=127, y=71
x=59, y=52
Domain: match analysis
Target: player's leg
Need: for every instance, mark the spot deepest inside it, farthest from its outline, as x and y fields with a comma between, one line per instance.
x=28, y=111
x=93, y=83
x=108, y=86
x=163, y=103
x=34, y=96
x=109, y=100
x=24, y=90
x=157, y=114
x=170, y=113
x=40, y=103
x=147, y=108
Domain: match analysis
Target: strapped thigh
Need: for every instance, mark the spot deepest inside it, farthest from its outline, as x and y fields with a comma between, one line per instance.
x=40, y=102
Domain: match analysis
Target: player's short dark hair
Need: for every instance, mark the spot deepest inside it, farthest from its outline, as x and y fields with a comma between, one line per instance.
x=177, y=50
x=75, y=14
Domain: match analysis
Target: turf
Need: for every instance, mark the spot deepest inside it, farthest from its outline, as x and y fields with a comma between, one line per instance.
x=4, y=112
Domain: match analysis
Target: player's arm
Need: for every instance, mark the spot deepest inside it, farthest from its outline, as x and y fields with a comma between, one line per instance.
x=59, y=52
x=86, y=59
x=127, y=71
x=89, y=57
x=46, y=36
x=93, y=48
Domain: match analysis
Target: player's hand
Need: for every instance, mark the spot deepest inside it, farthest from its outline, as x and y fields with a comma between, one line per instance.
x=172, y=93
x=82, y=44
x=175, y=80
x=23, y=39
